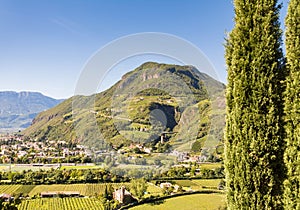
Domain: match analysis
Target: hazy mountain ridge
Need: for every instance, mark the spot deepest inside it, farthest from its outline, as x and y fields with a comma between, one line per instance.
x=18, y=109
x=115, y=119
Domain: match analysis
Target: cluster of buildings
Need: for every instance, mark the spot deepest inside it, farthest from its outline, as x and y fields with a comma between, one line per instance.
x=16, y=147
x=186, y=157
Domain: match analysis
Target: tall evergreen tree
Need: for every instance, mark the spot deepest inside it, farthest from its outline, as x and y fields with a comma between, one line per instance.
x=254, y=130
x=292, y=107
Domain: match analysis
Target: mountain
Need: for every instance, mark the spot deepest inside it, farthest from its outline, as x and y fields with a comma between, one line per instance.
x=151, y=104
x=17, y=110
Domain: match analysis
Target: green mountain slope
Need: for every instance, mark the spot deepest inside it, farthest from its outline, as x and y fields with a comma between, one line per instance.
x=154, y=100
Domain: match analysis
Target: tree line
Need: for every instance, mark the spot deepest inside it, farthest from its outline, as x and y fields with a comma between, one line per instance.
x=52, y=176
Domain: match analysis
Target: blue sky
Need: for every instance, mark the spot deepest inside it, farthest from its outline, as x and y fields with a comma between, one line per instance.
x=45, y=44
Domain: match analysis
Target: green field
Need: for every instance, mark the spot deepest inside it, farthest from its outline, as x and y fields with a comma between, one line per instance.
x=185, y=183
x=153, y=190
x=207, y=183
x=61, y=204
x=80, y=167
x=24, y=167
x=198, y=184
x=210, y=165
x=188, y=202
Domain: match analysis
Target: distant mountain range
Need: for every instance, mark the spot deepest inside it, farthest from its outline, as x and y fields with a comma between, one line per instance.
x=187, y=105
x=18, y=109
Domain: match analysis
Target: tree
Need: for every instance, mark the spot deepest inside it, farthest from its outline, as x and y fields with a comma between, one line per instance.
x=88, y=176
x=138, y=187
x=292, y=107
x=254, y=142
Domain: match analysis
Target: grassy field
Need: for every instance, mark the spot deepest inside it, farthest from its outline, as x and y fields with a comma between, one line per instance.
x=198, y=184
x=188, y=202
x=210, y=165
x=24, y=167
x=207, y=183
x=61, y=204
x=153, y=190
x=185, y=183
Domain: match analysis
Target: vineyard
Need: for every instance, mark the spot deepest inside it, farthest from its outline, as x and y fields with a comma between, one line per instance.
x=92, y=191
x=61, y=204
x=84, y=189
x=9, y=189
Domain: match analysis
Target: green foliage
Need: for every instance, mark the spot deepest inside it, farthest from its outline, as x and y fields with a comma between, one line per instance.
x=7, y=205
x=292, y=107
x=254, y=136
x=138, y=187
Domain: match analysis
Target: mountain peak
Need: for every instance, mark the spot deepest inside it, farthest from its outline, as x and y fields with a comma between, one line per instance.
x=151, y=89
x=17, y=109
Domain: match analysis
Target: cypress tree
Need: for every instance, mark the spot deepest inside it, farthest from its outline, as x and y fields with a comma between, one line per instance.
x=254, y=96
x=292, y=107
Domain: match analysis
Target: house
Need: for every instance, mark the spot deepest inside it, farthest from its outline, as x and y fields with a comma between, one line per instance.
x=147, y=150
x=165, y=185
x=6, y=197
x=123, y=196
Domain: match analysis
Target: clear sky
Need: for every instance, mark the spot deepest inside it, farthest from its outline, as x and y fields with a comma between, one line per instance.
x=44, y=44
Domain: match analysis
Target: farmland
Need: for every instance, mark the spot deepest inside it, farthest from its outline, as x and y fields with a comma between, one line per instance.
x=96, y=189
x=198, y=184
x=92, y=191
x=33, y=190
x=84, y=189
x=61, y=204
x=210, y=165
x=26, y=167
x=188, y=202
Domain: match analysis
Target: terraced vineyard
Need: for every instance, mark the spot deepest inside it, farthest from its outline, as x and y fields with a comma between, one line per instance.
x=61, y=204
